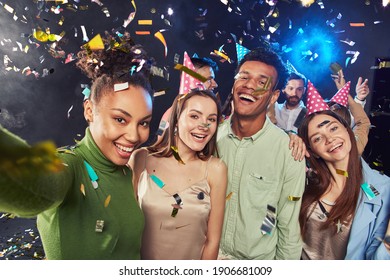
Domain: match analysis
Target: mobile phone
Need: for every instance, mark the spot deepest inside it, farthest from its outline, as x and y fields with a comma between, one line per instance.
x=335, y=68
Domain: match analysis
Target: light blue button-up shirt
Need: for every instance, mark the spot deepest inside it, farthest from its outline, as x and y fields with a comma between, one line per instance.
x=261, y=172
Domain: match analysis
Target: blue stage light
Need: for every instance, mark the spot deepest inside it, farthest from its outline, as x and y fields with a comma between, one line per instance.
x=313, y=49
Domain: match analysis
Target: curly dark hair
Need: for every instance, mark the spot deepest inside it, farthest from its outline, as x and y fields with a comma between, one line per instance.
x=121, y=61
x=268, y=56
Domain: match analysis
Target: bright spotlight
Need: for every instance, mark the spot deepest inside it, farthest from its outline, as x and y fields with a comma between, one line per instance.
x=385, y=2
x=307, y=3
x=170, y=11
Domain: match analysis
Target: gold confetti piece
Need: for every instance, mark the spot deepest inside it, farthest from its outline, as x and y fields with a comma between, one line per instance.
x=96, y=43
x=131, y=15
x=190, y=72
x=58, y=2
x=229, y=196
x=356, y=24
x=40, y=35
x=294, y=198
x=275, y=13
x=61, y=21
x=160, y=36
x=142, y=32
x=342, y=172
x=224, y=56
x=107, y=201
x=82, y=189
x=262, y=24
x=67, y=152
x=263, y=90
x=145, y=22
x=176, y=154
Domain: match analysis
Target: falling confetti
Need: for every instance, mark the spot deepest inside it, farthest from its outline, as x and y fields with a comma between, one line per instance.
x=107, y=201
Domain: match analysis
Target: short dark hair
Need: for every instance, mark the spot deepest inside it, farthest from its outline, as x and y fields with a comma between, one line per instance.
x=269, y=57
x=297, y=76
x=204, y=62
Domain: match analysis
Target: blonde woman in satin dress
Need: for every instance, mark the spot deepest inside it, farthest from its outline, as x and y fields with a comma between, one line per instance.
x=181, y=186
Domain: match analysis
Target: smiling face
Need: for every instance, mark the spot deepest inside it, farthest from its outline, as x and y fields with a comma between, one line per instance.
x=253, y=76
x=197, y=123
x=119, y=123
x=329, y=139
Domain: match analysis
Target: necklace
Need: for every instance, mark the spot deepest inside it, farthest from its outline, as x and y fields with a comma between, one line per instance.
x=327, y=202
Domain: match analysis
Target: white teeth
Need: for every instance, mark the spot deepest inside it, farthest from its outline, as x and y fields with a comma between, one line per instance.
x=248, y=97
x=199, y=136
x=335, y=147
x=125, y=149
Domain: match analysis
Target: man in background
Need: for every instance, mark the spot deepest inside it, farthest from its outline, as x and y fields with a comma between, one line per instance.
x=289, y=114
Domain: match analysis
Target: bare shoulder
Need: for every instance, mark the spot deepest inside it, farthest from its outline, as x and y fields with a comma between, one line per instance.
x=217, y=163
x=217, y=170
x=138, y=158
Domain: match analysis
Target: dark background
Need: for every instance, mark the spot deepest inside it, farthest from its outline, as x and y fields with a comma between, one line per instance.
x=36, y=108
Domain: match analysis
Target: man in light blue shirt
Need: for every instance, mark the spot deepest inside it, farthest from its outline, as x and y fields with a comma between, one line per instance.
x=265, y=183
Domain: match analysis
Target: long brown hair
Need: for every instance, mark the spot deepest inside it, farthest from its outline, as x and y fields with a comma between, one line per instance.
x=163, y=148
x=319, y=178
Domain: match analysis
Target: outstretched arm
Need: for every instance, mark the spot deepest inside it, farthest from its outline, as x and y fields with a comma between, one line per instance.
x=362, y=124
x=32, y=179
x=339, y=79
x=362, y=91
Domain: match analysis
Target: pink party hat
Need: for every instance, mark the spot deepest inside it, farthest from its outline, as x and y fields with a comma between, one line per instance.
x=341, y=97
x=187, y=82
x=314, y=102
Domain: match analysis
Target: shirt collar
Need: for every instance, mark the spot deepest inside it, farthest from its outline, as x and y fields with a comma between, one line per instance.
x=255, y=136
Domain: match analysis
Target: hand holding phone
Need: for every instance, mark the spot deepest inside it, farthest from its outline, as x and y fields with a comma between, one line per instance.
x=337, y=74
